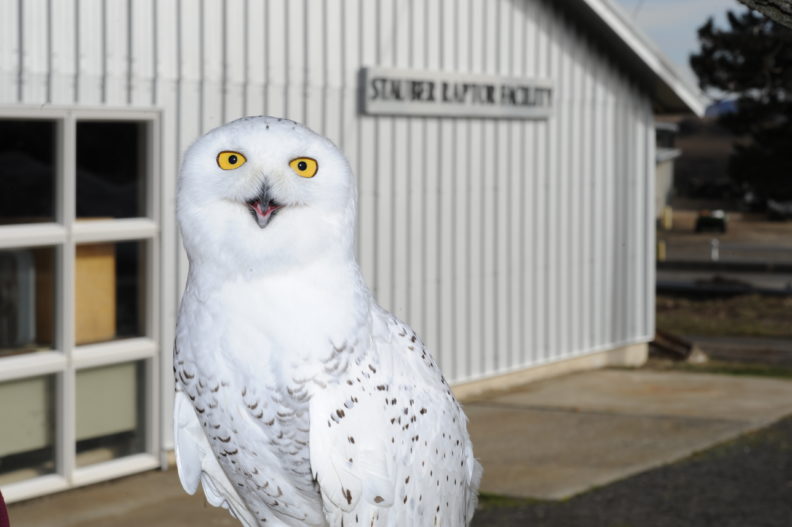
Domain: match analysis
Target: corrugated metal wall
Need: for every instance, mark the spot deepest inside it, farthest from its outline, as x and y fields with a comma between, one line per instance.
x=504, y=243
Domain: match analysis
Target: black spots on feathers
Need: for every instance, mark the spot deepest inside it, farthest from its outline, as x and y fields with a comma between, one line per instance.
x=382, y=387
x=351, y=439
x=340, y=413
x=372, y=368
x=377, y=499
x=347, y=495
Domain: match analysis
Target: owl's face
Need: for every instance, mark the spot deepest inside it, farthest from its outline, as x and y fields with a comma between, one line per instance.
x=261, y=190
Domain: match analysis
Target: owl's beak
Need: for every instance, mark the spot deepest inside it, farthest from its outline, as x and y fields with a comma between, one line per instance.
x=264, y=207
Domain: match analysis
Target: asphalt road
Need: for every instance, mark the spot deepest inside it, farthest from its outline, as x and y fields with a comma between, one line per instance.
x=743, y=483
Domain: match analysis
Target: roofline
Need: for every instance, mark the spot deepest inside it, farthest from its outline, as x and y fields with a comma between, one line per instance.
x=668, y=82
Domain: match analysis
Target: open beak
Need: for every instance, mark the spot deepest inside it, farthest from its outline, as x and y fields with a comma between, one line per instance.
x=263, y=207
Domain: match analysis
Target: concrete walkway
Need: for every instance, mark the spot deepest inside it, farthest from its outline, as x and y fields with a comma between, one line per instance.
x=560, y=437
x=549, y=440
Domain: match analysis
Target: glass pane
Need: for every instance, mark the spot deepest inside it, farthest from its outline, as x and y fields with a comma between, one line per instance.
x=27, y=171
x=111, y=164
x=27, y=300
x=27, y=411
x=109, y=291
x=110, y=402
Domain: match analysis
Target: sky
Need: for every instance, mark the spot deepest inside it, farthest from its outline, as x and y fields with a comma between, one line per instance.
x=672, y=24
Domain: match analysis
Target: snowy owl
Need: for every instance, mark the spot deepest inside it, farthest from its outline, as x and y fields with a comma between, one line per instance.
x=300, y=401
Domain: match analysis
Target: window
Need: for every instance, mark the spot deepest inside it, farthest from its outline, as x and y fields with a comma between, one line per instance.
x=79, y=239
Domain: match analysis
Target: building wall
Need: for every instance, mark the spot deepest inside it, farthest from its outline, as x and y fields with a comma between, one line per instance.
x=505, y=244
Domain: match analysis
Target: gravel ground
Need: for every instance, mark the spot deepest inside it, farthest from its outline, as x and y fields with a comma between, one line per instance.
x=743, y=483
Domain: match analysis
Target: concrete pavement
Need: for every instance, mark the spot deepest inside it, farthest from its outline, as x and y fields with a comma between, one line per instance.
x=559, y=437
x=549, y=439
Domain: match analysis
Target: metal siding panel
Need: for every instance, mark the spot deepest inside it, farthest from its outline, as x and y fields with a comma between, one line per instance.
x=63, y=48
x=649, y=222
x=384, y=179
x=315, y=80
x=276, y=58
x=35, y=51
x=489, y=174
x=597, y=211
x=417, y=192
x=446, y=172
x=536, y=284
x=165, y=22
x=212, y=51
x=91, y=49
x=190, y=109
x=430, y=154
x=613, y=185
x=142, y=64
x=256, y=57
x=553, y=231
x=367, y=150
x=10, y=52
x=462, y=216
x=585, y=192
x=116, y=55
x=295, y=60
x=334, y=67
x=417, y=181
x=350, y=59
x=235, y=60
x=642, y=179
x=503, y=342
x=514, y=312
x=399, y=196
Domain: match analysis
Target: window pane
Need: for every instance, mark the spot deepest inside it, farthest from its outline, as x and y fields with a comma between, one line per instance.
x=27, y=300
x=110, y=404
x=109, y=291
x=27, y=171
x=111, y=164
x=28, y=431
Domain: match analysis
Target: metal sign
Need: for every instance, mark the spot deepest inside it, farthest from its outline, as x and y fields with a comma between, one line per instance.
x=388, y=91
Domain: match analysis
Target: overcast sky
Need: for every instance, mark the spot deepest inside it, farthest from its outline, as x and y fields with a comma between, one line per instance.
x=672, y=24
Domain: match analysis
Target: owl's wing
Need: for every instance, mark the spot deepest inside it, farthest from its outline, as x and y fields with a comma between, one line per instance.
x=196, y=463
x=349, y=455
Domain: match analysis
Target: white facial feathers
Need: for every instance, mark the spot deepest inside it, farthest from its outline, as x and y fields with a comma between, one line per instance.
x=261, y=186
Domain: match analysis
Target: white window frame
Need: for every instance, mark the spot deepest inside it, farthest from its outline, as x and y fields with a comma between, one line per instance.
x=66, y=359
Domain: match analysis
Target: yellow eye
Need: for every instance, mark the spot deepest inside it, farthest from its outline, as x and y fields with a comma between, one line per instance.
x=304, y=166
x=230, y=160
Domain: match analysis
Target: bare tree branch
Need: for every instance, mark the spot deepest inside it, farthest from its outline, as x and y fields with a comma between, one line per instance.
x=778, y=10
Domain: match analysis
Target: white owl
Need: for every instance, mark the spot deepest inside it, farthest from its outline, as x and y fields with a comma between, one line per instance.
x=300, y=401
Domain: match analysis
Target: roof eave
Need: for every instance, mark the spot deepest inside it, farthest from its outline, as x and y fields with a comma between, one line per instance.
x=671, y=93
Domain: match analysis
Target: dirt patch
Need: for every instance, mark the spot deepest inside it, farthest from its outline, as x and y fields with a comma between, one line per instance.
x=743, y=316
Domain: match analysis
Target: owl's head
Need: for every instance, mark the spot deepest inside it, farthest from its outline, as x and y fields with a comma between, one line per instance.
x=261, y=192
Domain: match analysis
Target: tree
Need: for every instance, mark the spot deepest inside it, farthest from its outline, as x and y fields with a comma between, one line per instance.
x=778, y=10
x=752, y=61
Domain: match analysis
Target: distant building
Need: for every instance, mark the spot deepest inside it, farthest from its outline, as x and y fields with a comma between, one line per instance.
x=506, y=165
x=664, y=170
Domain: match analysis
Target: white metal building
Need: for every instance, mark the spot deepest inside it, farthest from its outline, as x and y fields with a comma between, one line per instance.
x=508, y=243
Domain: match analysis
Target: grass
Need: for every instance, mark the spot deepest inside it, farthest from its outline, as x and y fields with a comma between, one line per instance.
x=488, y=500
x=738, y=316
x=726, y=368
